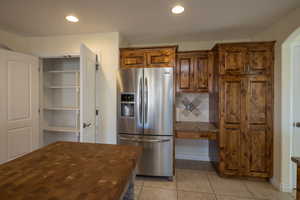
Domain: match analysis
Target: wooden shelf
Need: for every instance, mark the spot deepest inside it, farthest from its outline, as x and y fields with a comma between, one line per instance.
x=63, y=87
x=61, y=108
x=196, y=135
x=63, y=71
x=61, y=129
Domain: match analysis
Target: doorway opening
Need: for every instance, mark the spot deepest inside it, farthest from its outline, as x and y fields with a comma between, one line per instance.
x=290, y=109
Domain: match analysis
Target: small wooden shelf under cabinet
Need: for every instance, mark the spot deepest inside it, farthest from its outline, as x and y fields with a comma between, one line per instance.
x=63, y=87
x=63, y=71
x=61, y=129
x=62, y=108
x=195, y=130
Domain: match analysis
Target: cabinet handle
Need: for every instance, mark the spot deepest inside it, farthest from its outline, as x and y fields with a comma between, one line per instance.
x=86, y=125
x=297, y=124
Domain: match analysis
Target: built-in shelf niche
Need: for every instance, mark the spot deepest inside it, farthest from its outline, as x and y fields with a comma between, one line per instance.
x=61, y=107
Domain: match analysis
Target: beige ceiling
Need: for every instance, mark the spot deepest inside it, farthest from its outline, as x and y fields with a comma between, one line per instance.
x=144, y=21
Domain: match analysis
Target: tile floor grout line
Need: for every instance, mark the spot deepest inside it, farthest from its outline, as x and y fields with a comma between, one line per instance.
x=210, y=184
x=139, y=195
x=252, y=194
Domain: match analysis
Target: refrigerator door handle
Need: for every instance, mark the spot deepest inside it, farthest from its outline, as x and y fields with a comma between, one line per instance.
x=140, y=114
x=146, y=100
x=144, y=141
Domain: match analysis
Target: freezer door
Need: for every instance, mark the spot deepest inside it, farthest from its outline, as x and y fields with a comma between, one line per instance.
x=130, y=110
x=158, y=101
x=157, y=158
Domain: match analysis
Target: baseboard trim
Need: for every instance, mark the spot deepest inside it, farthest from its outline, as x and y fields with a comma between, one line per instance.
x=199, y=157
x=280, y=186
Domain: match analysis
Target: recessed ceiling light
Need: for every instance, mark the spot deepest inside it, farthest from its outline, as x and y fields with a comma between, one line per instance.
x=177, y=9
x=72, y=18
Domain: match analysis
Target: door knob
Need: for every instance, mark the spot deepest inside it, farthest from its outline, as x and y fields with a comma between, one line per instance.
x=86, y=125
x=297, y=124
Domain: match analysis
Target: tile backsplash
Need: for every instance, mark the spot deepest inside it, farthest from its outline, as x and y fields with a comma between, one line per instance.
x=192, y=107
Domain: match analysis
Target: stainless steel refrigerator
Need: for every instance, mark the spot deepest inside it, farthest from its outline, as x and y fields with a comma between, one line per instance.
x=145, y=117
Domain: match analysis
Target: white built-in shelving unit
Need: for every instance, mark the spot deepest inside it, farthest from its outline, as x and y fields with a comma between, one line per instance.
x=61, y=103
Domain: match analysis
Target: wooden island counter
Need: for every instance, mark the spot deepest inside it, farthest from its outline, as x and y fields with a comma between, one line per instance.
x=71, y=171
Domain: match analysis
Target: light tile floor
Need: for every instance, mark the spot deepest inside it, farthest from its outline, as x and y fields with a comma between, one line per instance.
x=198, y=181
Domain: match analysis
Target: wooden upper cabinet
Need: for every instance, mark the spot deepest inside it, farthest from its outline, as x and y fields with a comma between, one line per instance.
x=245, y=58
x=132, y=58
x=203, y=66
x=194, y=71
x=161, y=58
x=233, y=60
x=148, y=57
x=185, y=72
x=260, y=60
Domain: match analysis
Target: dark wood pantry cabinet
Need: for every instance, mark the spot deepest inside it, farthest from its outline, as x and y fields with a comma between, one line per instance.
x=194, y=71
x=242, y=107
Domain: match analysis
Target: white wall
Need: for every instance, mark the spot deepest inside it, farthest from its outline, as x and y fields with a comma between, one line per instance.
x=187, y=45
x=282, y=33
x=107, y=44
x=13, y=41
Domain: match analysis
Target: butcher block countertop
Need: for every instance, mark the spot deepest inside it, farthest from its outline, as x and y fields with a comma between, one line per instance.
x=70, y=171
x=195, y=130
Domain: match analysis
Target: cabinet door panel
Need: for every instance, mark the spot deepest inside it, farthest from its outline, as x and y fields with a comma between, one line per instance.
x=161, y=58
x=259, y=60
x=231, y=123
x=132, y=58
x=232, y=150
x=233, y=60
x=232, y=102
x=201, y=68
x=259, y=126
x=257, y=147
x=185, y=74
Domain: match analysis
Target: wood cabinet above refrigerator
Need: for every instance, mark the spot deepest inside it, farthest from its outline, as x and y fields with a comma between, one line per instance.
x=147, y=57
x=194, y=71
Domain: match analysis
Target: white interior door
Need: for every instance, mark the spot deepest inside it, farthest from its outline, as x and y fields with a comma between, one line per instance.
x=296, y=109
x=87, y=95
x=19, y=104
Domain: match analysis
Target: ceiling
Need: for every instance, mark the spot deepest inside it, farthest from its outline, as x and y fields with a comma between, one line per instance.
x=144, y=21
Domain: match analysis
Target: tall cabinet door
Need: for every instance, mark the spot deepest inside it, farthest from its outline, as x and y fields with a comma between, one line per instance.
x=185, y=73
x=203, y=72
x=19, y=105
x=259, y=126
x=232, y=124
x=88, y=61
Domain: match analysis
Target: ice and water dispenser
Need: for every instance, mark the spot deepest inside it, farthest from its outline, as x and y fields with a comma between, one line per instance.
x=127, y=105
